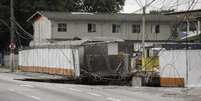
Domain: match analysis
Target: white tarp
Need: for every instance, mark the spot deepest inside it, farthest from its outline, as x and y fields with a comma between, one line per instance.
x=113, y=49
x=51, y=58
x=181, y=64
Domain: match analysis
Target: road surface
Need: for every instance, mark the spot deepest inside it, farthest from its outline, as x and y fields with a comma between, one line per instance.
x=14, y=90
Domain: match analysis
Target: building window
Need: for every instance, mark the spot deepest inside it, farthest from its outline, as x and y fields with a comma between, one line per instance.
x=62, y=27
x=116, y=28
x=155, y=28
x=91, y=27
x=136, y=28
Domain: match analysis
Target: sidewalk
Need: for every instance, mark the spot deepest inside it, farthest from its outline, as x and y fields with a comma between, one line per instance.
x=4, y=70
x=29, y=75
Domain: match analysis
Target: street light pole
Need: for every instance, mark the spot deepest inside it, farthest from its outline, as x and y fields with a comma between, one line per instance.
x=12, y=36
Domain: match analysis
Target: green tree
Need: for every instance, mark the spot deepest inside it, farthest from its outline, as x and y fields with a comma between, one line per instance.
x=25, y=8
x=109, y=6
x=4, y=30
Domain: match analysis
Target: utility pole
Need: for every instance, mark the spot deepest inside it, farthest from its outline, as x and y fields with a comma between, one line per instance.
x=199, y=27
x=143, y=29
x=177, y=8
x=143, y=36
x=12, y=36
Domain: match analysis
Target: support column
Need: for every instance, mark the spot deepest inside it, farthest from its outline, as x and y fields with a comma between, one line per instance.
x=199, y=27
x=12, y=35
x=188, y=27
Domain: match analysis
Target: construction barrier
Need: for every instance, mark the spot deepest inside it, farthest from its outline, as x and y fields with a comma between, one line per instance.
x=52, y=61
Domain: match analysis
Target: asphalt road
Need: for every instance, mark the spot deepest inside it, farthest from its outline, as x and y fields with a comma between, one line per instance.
x=13, y=90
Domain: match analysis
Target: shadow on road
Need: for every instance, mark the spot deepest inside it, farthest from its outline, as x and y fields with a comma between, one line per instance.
x=66, y=81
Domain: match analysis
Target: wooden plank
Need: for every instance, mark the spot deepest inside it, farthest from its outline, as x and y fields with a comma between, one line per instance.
x=56, y=71
x=171, y=82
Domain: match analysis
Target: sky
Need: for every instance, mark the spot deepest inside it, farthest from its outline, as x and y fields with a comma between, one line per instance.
x=131, y=6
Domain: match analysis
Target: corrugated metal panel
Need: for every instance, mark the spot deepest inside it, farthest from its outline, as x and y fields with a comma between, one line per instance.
x=53, y=61
x=184, y=64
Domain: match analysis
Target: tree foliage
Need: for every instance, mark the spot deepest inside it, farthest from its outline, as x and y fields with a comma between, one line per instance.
x=25, y=8
x=111, y=6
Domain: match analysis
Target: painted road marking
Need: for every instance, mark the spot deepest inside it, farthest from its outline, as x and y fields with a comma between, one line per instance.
x=94, y=94
x=35, y=97
x=30, y=86
x=77, y=90
x=113, y=99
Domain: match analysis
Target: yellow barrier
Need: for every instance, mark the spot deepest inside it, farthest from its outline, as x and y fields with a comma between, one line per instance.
x=150, y=63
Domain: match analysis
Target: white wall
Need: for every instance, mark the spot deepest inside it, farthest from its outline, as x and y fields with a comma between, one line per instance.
x=176, y=63
x=7, y=61
x=42, y=29
x=79, y=29
x=51, y=58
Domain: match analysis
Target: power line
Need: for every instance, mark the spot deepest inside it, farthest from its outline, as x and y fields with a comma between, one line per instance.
x=184, y=17
x=18, y=25
x=182, y=4
x=19, y=41
x=22, y=36
x=146, y=5
x=167, y=4
x=5, y=23
x=139, y=3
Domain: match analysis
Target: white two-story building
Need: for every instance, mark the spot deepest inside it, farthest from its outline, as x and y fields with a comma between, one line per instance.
x=55, y=26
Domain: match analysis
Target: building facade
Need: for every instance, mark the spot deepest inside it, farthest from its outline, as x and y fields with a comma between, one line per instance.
x=68, y=26
x=190, y=25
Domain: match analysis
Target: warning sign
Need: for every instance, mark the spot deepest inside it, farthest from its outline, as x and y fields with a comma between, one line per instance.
x=12, y=46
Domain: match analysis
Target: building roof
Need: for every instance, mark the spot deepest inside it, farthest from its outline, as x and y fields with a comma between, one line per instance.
x=193, y=13
x=100, y=16
x=184, y=46
x=83, y=41
x=103, y=39
x=198, y=11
